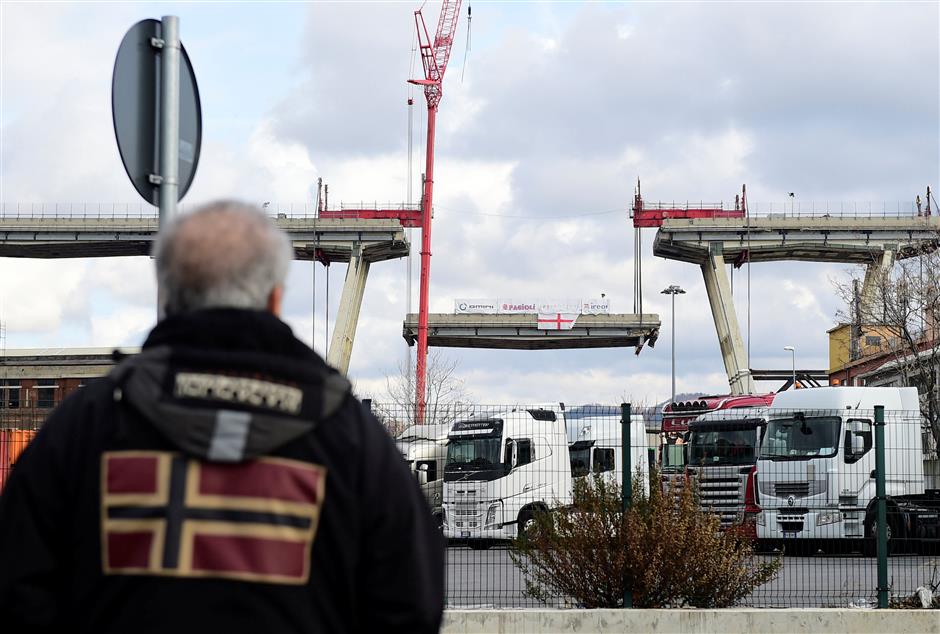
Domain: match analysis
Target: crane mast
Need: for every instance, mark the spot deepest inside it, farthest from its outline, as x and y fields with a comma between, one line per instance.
x=434, y=59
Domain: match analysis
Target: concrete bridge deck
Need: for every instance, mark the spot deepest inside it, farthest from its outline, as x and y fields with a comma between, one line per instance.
x=520, y=332
x=712, y=243
x=356, y=241
x=815, y=239
x=75, y=237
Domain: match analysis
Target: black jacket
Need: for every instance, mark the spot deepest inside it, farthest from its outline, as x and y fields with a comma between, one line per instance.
x=223, y=480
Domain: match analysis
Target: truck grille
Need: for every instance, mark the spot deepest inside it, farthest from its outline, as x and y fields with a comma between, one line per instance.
x=721, y=495
x=467, y=507
x=796, y=489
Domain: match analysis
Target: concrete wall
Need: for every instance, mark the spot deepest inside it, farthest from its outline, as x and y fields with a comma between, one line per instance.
x=737, y=621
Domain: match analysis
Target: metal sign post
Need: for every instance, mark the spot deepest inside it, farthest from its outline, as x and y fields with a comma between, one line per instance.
x=626, y=482
x=882, y=519
x=169, y=116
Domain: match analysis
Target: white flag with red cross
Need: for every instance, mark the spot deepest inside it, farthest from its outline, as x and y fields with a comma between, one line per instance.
x=557, y=321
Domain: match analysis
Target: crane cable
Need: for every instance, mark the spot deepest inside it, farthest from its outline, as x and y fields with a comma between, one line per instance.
x=409, y=191
x=747, y=224
x=466, y=50
x=313, y=327
x=326, y=314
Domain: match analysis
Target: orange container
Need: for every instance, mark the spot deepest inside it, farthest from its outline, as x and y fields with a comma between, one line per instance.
x=4, y=456
x=12, y=444
x=21, y=438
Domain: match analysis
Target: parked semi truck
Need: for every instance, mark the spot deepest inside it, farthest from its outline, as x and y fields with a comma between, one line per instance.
x=816, y=470
x=424, y=448
x=596, y=447
x=721, y=458
x=502, y=470
x=723, y=414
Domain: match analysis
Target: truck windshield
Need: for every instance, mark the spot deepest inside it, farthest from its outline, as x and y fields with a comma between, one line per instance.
x=714, y=447
x=673, y=457
x=473, y=453
x=801, y=437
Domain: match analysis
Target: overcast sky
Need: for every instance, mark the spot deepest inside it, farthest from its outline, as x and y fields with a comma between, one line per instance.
x=542, y=133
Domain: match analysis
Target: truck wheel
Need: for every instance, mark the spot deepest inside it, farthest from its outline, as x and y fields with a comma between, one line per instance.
x=527, y=520
x=870, y=547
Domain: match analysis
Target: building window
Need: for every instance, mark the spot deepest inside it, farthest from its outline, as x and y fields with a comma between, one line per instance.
x=871, y=340
x=9, y=394
x=45, y=395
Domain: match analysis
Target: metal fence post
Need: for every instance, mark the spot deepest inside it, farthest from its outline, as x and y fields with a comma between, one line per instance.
x=626, y=480
x=882, y=518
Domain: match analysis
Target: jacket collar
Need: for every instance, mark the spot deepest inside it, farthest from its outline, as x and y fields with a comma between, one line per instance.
x=230, y=329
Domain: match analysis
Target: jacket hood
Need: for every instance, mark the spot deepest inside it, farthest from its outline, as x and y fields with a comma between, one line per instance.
x=232, y=398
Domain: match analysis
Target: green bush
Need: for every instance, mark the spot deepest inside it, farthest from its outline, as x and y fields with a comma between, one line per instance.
x=666, y=550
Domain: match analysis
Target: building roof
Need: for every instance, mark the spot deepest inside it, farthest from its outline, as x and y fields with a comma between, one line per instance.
x=52, y=353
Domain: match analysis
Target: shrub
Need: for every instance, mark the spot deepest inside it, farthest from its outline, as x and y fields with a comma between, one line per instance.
x=664, y=548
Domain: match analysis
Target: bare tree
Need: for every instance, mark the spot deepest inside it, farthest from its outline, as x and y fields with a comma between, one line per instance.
x=901, y=305
x=446, y=395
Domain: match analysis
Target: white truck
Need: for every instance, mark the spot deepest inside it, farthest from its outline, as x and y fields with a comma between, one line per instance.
x=595, y=446
x=424, y=448
x=501, y=470
x=816, y=470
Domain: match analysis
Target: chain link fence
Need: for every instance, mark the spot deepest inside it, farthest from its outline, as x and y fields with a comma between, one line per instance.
x=794, y=486
x=523, y=495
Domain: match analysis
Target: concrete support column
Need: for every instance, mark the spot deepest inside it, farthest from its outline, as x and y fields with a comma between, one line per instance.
x=874, y=274
x=726, y=323
x=347, y=315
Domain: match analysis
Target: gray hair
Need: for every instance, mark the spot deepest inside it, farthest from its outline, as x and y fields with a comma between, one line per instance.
x=225, y=254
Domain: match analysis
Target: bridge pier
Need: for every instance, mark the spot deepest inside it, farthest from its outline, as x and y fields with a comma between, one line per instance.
x=347, y=315
x=875, y=273
x=720, y=299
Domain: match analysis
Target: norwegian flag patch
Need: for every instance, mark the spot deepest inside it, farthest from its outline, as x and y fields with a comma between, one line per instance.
x=163, y=513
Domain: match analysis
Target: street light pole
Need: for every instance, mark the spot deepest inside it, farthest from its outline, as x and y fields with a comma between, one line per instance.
x=792, y=352
x=673, y=290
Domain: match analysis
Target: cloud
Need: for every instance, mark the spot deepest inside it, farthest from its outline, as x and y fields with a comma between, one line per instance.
x=38, y=295
x=123, y=327
x=560, y=109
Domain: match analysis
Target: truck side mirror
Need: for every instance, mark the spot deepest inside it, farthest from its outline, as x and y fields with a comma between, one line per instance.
x=510, y=458
x=857, y=441
x=858, y=444
x=422, y=474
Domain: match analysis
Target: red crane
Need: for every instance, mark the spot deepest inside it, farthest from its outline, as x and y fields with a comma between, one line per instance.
x=434, y=58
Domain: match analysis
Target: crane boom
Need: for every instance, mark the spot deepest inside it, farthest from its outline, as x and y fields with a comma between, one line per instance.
x=434, y=58
x=444, y=40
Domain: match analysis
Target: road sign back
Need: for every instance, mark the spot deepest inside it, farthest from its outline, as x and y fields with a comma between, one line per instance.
x=135, y=106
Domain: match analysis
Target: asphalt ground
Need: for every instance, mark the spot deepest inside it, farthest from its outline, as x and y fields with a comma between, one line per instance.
x=488, y=578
